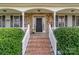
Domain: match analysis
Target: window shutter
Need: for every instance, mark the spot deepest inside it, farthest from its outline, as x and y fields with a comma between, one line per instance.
x=73, y=20
x=66, y=19
x=56, y=20
x=3, y=20
x=11, y=23
x=20, y=20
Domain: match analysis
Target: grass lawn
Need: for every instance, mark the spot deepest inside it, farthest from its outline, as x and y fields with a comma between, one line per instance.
x=68, y=40
x=11, y=41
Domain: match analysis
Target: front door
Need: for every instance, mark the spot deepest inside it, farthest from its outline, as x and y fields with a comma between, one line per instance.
x=38, y=24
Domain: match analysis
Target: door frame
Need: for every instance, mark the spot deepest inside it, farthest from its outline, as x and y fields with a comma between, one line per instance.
x=43, y=22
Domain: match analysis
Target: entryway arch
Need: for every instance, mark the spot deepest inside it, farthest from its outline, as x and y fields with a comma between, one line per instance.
x=39, y=19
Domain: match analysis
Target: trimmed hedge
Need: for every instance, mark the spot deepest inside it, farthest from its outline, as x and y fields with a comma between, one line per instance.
x=11, y=41
x=68, y=40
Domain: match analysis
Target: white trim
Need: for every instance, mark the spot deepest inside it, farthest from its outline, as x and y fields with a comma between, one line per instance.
x=43, y=22
x=25, y=40
x=23, y=17
x=54, y=19
x=52, y=40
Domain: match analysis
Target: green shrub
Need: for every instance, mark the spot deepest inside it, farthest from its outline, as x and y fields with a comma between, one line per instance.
x=68, y=40
x=11, y=41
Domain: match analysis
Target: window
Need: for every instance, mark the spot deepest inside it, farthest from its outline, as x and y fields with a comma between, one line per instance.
x=61, y=21
x=73, y=20
x=11, y=23
x=3, y=21
x=16, y=21
x=65, y=20
x=77, y=20
x=20, y=20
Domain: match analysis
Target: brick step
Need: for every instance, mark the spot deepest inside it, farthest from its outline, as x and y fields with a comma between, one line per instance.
x=38, y=37
x=38, y=49
x=39, y=44
x=39, y=41
x=38, y=53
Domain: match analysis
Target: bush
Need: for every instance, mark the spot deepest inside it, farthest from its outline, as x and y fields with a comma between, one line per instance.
x=68, y=40
x=11, y=41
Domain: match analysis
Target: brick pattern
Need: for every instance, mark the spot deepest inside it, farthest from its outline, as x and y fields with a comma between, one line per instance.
x=39, y=44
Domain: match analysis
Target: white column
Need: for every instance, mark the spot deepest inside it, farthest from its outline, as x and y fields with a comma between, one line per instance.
x=23, y=20
x=54, y=19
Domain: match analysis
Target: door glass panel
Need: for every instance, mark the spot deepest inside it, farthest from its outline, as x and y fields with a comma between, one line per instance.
x=39, y=25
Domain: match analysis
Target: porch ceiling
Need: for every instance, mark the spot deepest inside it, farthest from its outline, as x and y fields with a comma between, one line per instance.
x=39, y=11
x=69, y=11
x=9, y=11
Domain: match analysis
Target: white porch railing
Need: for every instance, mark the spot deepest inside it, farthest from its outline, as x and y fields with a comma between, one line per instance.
x=52, y=40
x=25, y=40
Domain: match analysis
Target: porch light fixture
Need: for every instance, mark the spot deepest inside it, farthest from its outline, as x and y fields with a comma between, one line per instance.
x=4, y=10
x=38, y=10
x=72, y=10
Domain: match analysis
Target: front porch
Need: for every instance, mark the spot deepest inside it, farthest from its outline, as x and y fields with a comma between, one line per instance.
x=40, y=21
x=62, y=18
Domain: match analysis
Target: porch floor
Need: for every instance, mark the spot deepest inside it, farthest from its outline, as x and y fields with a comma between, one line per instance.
x=39, y=44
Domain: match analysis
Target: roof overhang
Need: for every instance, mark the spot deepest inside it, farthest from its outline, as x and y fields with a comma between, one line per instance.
x=39, y=4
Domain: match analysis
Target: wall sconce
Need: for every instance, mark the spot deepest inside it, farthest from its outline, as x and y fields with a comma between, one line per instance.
x=4, y=10
x=72, y=10
x=38, y=10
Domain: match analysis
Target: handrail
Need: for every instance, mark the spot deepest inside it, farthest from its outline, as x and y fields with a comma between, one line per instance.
x=52, y=40
x=25, y=40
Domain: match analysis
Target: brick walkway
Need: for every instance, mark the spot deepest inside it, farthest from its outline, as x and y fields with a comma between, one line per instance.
x=39, y=44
